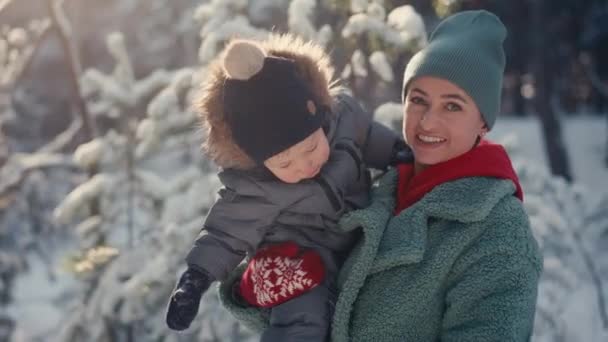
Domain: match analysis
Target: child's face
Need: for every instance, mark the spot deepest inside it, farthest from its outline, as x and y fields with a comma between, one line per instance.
x=440, y=121
x=302, y=160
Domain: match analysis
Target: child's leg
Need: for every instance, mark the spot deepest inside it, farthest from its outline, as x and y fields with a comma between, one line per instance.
x=305, y=318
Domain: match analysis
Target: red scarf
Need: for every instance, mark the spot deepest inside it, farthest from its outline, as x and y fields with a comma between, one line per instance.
x=486, y=160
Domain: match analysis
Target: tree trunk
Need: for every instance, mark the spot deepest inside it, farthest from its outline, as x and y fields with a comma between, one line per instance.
x=64, y=30
x=543, y=70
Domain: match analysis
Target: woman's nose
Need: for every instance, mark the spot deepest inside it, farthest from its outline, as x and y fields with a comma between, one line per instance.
x=427, y=120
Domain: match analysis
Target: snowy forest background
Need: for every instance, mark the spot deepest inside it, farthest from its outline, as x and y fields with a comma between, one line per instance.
x=103, y=186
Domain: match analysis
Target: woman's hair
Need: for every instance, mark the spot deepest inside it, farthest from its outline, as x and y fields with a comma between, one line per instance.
x=243, y=59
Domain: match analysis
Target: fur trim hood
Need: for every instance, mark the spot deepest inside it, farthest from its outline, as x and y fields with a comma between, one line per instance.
x=313, y=65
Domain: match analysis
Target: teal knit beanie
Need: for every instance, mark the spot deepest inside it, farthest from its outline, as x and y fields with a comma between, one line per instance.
x=465, y=49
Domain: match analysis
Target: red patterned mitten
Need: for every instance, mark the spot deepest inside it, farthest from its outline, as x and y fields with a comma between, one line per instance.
x=280, y=272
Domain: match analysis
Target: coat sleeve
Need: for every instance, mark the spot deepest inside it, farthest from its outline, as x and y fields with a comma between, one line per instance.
x=235, y=225
x=343, y=169
x=376, y=141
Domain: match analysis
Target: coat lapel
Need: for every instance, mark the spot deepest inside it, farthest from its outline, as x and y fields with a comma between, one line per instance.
x=466, y=200
x=403, y=241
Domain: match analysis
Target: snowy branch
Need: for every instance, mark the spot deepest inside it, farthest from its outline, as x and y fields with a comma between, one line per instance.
x=18, y=167
x=402, y=27
x=390, y=114
x=3, y=4
x=299, y=18
x=381, y=66
x=239, y=26
x=15, y=67
x=81, y=197
x=124, y=68
x=63, y=139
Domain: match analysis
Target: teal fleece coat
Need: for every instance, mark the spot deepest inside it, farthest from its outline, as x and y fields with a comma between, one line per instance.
x=460, y=264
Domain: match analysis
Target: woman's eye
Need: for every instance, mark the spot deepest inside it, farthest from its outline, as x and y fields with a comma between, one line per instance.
x=417, y=100
x=312, y=149
x=284, y=166
x=453, y=107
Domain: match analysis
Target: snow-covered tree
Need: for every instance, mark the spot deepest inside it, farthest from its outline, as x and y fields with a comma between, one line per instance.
x=140, y=210
x=30, y=184
x=379, y=44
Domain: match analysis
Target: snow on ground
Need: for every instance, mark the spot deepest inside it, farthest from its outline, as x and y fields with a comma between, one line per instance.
x=37, y=295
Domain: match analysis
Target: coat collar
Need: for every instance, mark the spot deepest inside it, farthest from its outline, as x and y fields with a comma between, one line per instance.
x=403, y=238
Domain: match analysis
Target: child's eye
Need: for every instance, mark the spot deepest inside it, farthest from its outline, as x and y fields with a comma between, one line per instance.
x=453, y=107
x=284, y=166
x=313, y=148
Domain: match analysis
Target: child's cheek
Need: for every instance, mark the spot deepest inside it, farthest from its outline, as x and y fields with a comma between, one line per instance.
x=327, y=152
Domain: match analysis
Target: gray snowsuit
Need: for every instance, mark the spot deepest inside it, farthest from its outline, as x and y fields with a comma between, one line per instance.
x=256, y=209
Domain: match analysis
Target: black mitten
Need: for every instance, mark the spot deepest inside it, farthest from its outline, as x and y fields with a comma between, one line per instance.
x=185, y=299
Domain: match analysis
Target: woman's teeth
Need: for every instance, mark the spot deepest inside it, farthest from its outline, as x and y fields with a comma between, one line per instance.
x=429, y=139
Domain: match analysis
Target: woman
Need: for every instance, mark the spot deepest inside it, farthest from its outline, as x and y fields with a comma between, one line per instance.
x=447, y=252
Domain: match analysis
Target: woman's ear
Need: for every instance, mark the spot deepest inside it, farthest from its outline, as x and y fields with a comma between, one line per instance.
x=484, y=130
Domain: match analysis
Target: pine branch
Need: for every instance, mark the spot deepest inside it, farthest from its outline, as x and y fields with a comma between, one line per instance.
x=63, y=139
x=131, y=179
x=19, y=166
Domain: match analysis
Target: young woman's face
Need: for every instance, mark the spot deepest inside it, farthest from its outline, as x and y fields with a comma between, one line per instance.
x=440, y=121
x=302, y=160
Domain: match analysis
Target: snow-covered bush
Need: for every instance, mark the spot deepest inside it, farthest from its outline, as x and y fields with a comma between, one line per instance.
x=571, y=225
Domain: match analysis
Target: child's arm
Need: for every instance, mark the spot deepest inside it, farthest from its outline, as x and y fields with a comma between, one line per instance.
x=380, y=146
x=235, y=224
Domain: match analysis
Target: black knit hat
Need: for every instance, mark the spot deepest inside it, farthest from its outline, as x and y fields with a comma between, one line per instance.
x=271, y=111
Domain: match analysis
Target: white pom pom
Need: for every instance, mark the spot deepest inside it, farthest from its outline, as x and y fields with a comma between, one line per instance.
x=243, y=59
